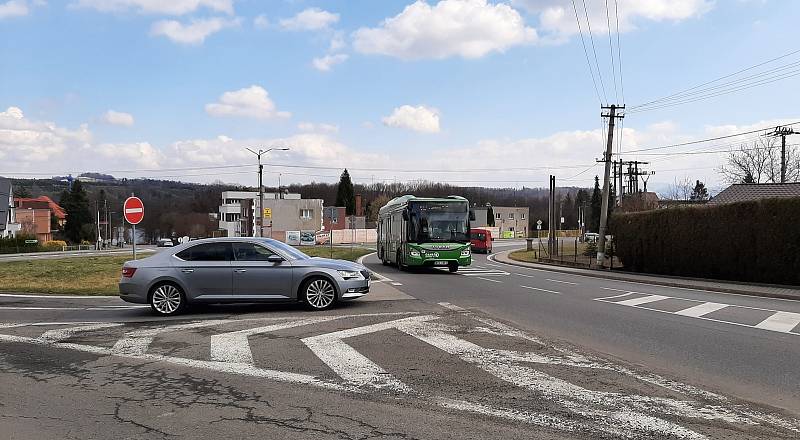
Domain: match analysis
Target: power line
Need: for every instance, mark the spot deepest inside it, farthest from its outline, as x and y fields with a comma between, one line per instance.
x=619, y=52
x=663, y=147
x=611, y=50
x=591, y=38
x=586, y=53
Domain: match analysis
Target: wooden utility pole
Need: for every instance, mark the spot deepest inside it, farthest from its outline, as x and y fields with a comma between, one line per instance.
x=612, y=117
x=783, y=132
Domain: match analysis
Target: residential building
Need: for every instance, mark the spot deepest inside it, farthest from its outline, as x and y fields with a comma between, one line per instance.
x=43, y=202
x=8, y=224
x=745, y=192
x=35, y=222
x=238, y=208
x=292, y=215
x=335, y=218
x=510, y=221
x=239, y=212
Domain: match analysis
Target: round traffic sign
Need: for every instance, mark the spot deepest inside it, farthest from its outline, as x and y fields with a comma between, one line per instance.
x=134, y=210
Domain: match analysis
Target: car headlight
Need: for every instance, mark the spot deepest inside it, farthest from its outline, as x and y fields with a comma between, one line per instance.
x=351, y=274
x=465, y=253
x=414, y=253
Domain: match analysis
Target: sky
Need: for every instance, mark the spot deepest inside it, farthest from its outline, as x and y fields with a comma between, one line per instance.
x=473, y=92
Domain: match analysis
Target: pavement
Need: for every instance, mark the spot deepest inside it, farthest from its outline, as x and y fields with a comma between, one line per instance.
x=493, y=351
x=26, y=256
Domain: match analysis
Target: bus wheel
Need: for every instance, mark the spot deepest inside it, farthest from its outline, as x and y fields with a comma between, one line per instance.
x=452, y=267
x=399, y=261
x=382, y=257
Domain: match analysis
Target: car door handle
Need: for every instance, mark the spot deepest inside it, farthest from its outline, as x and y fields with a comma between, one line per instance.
x=240, y=270
x=187, y=270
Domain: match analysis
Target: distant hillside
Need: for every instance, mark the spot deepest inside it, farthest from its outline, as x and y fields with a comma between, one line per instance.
x=183, y=207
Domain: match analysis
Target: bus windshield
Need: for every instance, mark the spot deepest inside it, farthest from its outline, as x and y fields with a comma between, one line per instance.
x=438, y=222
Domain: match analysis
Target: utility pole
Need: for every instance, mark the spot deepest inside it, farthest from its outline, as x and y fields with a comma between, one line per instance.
x=612, y=116
x=783, y=132
x=258, y=154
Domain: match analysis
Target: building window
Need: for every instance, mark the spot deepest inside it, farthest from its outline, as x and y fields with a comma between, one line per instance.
x=522, y=216
x=231, y=217
x=511, y=216
x=306, y=214
x=498, y=216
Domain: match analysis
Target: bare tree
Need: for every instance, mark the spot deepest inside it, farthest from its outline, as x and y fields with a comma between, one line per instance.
x=680, y=190
x=760, y=162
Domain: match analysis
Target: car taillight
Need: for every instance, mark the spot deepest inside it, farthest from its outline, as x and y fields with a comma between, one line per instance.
x=128, y=272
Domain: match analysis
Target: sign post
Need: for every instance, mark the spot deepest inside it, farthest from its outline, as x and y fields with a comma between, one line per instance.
x=133, y=209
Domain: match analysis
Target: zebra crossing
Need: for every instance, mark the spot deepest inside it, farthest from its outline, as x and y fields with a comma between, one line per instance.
x=549, y=380
x=753, y=317
x=478, y=271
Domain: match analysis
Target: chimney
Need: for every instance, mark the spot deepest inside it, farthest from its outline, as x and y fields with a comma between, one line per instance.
x=359, y=212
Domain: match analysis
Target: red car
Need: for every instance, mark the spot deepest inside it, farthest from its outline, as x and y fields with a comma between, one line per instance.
x=481, y=240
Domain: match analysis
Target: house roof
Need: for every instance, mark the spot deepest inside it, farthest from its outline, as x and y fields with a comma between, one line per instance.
x=37, y=202
x=743, y=192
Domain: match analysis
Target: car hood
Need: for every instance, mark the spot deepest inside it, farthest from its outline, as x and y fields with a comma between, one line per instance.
x=329, y=263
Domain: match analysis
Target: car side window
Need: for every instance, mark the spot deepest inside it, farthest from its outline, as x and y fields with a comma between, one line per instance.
x=207, y=252
x=250, y=252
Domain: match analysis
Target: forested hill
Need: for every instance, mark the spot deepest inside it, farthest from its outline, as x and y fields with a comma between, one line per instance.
x=169, y=205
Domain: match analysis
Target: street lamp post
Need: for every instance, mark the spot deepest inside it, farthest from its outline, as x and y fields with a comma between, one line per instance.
x=258, y=154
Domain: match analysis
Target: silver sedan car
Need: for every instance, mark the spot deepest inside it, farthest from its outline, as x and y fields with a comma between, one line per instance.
x=240, y=269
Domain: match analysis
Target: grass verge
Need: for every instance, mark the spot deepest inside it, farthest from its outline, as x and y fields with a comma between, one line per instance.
x=100, y=275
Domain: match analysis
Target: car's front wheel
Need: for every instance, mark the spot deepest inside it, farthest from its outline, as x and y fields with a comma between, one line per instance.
x=167, y=299
x=318, y=294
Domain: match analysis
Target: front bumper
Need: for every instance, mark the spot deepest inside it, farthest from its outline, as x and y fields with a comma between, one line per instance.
x=352, y=289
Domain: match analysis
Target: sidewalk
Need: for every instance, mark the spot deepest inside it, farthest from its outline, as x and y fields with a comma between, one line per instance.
x=765, y=290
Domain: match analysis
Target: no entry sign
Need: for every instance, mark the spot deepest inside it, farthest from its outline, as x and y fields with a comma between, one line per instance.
x=134, y=210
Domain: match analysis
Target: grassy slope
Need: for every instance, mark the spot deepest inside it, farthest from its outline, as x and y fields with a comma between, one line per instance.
x=98, y=275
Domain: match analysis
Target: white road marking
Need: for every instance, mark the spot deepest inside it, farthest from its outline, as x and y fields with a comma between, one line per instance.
x=395, y=283
x=562, y=282
x=615, y=290
x=235, y=346
x=488, y=279
x=523, y=275
x=780, y=322
x=642, y=300
x=356, y=369
x=541, y=290
x=138, y=341
x=493, y=265
x=61, y=334
x=447, y=305
x=615, y=296
x=71, y=308
x=701, y=309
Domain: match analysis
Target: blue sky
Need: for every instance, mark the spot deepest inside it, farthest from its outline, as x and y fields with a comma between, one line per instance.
x=135, y=85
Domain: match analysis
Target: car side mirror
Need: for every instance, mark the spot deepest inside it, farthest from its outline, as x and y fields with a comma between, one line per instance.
x=275, y=258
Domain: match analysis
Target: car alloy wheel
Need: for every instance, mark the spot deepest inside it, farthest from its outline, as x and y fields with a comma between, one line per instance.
x=320, y=294
x=167, y=299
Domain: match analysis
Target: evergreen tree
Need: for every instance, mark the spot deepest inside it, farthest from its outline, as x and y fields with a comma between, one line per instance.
x=569, y=212
x=345, y=194
x=699, y=192
x=489, y=216
x=21, y=192
x=79, y=218
x=596, y=205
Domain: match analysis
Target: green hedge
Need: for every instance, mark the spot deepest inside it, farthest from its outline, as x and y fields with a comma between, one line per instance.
x=750, y=241
x=17, y=244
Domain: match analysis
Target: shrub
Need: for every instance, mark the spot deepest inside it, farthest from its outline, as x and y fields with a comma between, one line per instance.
x=755, y=241
x=54, y=245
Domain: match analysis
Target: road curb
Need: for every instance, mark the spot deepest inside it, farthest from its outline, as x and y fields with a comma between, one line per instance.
x=660, y=282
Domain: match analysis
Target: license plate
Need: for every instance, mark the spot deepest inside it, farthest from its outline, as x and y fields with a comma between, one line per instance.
x=441, y=263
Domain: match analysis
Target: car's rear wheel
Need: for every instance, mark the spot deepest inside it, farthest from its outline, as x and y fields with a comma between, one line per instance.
x=318, y=294
x=167, y=299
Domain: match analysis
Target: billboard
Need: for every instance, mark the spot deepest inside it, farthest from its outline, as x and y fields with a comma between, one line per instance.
x=293, y=238
x=308, y=238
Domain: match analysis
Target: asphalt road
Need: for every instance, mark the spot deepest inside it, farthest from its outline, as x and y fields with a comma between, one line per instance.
x=492, y=352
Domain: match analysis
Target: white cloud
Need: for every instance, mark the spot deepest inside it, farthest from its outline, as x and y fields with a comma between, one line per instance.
x=261, y=22
x=310, y=19
x=250, y=102
x=337, y=42
x=422, y=119
x=118, y=118
x=165, y=7
x=557, y=17
x=323, y=128
x=139, y=154
x=24, y=141
x=465, y=28
x=193, y=33
x=324, y=64
x=14, y=8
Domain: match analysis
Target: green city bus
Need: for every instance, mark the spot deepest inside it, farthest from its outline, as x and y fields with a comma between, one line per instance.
x=418, y=231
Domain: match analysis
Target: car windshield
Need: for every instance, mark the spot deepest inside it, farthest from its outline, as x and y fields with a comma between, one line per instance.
x=290, y=252
x=438, y=222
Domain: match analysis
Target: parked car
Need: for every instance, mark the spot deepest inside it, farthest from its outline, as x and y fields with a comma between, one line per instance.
x=481, y=240
x=239, y=269
x=590, y=237
x=165, y=242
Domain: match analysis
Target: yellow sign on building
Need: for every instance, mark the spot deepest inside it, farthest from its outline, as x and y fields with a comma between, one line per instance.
x=267, y=212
